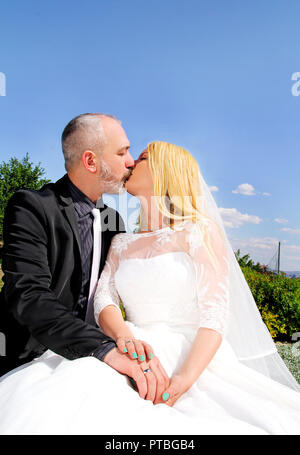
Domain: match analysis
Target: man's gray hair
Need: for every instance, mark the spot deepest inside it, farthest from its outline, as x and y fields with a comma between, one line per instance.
x=84, y=132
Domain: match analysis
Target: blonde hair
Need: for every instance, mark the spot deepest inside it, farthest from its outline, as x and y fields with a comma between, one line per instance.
x=177, y=188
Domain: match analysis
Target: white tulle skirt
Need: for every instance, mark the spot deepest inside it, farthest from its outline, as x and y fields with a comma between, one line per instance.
x=53, y=395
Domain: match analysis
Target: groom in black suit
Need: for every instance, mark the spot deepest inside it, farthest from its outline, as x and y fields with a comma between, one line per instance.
x=47, y=254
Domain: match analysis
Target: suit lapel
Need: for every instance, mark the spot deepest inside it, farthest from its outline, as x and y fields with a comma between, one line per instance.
x=67, y=207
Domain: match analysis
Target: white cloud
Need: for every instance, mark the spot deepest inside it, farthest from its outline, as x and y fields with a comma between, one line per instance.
x=246, y=189
x=290, y=230
x=262, y=243
x=233, y=218
x=294, y=258
x=213, y=188
x=281, y=220
x=292, y=247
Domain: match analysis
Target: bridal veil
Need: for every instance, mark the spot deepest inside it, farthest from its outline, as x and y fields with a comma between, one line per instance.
x=246, y=331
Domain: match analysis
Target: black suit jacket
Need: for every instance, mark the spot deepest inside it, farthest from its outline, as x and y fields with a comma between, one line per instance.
x=42, y=277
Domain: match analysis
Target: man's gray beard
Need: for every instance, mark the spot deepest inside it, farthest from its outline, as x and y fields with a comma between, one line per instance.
x=108, y=182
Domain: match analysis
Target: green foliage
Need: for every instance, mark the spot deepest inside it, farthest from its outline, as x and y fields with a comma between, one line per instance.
x=245, y=261
x=122, y=310
x=278, y=300
x=16, y=175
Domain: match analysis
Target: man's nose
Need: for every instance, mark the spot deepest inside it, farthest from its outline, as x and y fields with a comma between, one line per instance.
x=130, y=161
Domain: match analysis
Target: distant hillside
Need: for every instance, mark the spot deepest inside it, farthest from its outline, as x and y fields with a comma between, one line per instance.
x=293, y=274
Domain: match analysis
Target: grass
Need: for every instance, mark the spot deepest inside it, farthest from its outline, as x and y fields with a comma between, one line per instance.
x=290, y=356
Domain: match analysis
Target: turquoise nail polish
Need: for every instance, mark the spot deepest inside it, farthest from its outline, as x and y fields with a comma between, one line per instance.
x=134, y=355
x=151, y=355
x=125, y=350
x=165, y=396
x=142, y=358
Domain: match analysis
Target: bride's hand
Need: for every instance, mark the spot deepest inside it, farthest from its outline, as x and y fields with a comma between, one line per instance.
x=154, y=372
x=178, y=386
x=136, y=349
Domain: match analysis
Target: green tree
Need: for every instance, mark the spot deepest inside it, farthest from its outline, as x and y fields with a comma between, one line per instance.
x=246, y=261
x=16, y=175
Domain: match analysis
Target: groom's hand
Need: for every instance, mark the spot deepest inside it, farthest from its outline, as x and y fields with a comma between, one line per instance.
x=150, y=385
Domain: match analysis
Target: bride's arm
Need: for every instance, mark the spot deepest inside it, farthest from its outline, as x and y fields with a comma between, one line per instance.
x=108, y=314
x=203, y=349
x=112, y=323
x=213, y=299
x=107, y=310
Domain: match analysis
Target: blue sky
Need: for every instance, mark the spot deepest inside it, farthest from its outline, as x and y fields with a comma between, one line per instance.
x=214, y=77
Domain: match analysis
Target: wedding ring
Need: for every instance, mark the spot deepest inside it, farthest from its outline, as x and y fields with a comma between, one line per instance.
x=147, y=370
x=128, y=341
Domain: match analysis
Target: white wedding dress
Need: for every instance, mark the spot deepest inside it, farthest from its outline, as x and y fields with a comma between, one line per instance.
x=168, y=289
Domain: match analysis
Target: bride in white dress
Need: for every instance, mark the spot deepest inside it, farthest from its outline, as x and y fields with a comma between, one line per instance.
x=187, y=301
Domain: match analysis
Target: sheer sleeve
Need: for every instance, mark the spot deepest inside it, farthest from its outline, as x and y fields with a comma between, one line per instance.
x=212, y=283
x=106, y=293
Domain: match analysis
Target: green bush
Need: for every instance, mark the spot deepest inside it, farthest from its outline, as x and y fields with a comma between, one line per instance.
x=16, y=174
x=278, y=300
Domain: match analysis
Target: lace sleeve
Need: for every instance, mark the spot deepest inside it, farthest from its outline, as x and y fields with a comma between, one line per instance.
x=106, y=293
x=212, y=283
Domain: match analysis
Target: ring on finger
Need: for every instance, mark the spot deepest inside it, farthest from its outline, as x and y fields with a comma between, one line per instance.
x=147, y=370
x=128, y=341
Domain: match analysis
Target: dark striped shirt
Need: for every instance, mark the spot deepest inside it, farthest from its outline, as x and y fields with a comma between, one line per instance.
x=83, y=209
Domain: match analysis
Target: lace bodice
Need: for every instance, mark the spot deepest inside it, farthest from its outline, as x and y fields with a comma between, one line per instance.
x=167, y=276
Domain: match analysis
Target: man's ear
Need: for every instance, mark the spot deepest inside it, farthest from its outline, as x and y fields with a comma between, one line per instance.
x=88, y=159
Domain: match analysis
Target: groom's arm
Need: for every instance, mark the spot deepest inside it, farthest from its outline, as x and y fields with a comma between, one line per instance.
x=28, y=296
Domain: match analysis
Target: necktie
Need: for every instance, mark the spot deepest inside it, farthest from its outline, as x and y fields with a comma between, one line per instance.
x=95, y=265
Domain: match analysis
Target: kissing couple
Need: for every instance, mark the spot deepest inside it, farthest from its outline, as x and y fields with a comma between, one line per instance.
x=190, y=355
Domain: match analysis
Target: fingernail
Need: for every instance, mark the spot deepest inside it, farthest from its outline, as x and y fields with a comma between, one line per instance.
x=125, y=350
x=165, y=396
x=151, y=355
x=142, y=358
x=134, y=355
